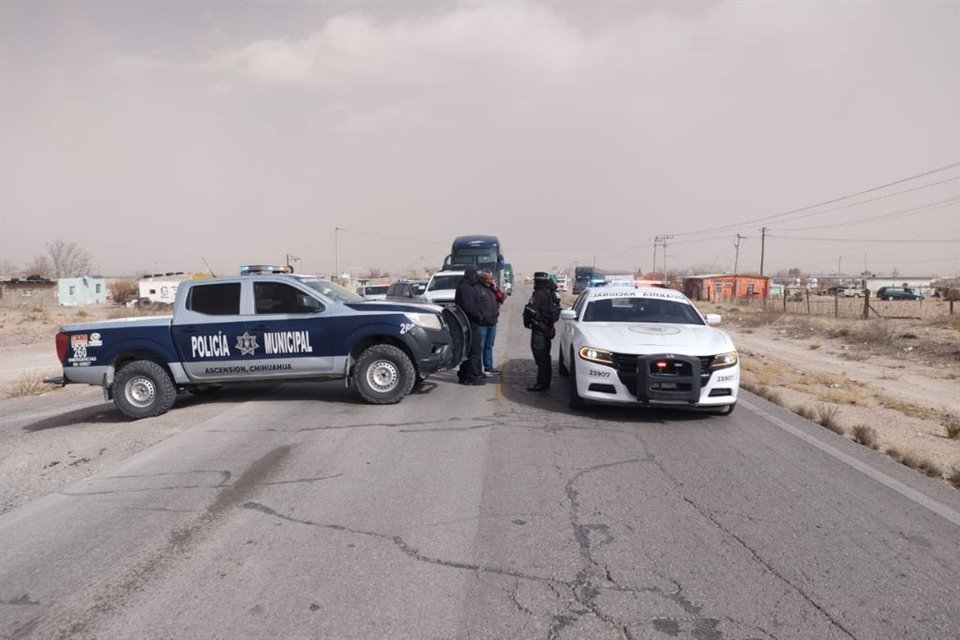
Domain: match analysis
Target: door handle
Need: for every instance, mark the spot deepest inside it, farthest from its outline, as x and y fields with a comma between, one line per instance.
x=260, y=327
x=190, y=329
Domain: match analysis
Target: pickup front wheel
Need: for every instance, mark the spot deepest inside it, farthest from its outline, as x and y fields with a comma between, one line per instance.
x=143, y=389
x=383, y=374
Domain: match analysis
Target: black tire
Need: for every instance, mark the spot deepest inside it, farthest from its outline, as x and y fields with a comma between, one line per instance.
x=143, y=389
x=576, y=402
x=725, y=411
x=562, y=366
x=383, y=374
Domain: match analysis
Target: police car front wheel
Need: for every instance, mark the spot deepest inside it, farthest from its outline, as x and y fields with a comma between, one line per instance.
x=383, y=374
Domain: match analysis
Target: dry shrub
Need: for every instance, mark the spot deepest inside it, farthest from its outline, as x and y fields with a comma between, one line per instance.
x=954, y=477
x=771, y=395
x=875, y=332
x=951, y=425
x=814, y=346
x=805, y=411
x=122, y=289
x=29, y=384
x=915, y=461
x=828, y=417
x=867, y=436
x=846, y=396
x=906, y=407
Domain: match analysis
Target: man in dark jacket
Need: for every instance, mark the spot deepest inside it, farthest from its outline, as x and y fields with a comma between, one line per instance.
x=490, y=300
x=540, y=314
x=468, y=299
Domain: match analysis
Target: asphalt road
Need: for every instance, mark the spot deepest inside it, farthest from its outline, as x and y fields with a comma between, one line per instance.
x=485, y=512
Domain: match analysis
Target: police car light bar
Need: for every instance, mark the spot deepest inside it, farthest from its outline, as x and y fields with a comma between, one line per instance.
x=263, y=269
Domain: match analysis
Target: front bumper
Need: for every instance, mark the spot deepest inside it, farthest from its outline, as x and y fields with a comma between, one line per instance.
x=441, y=349
x=658, y=380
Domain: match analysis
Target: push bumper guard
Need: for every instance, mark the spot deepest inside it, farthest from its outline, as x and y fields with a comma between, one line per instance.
x=668, y=378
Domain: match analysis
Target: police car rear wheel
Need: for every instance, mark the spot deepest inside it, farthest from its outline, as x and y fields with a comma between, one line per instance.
x=383, y=374
x=143, y=389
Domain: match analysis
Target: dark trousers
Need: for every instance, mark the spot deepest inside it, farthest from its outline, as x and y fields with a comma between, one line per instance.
x=540, y=346
x=472, y=368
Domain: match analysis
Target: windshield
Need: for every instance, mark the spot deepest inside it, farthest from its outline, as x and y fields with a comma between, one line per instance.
x=444, y=282
x=375, y=289
x=641, y=310
x=474, y=255
x=331, y=290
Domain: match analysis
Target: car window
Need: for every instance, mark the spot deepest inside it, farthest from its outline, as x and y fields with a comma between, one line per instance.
x=278, y=297
x=215, y=299
x=375, y=290
x=444, y=282
x=641, y=310
x=332, y=290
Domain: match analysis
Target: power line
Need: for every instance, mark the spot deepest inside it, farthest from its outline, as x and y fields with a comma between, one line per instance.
x=825, y=202
x=871, y=240
x=931, y=206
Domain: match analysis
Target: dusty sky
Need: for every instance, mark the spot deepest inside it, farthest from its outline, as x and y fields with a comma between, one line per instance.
x=159, y=134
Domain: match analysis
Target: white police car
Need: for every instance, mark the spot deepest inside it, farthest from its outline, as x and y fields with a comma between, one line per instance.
x=646, y=346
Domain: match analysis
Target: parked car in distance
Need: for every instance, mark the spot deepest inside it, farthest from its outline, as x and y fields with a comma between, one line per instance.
x=442, y=288
x=845, y=292
x=373, y=291
x=406, y=290
x=898, y=293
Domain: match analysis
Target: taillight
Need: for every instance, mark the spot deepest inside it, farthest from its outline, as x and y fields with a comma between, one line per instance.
x=62, y=340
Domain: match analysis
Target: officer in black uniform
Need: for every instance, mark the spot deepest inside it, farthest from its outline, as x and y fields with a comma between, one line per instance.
x=467, y=298
x=540, y=314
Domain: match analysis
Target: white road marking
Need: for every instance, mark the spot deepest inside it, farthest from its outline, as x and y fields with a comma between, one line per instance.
x=911, y=494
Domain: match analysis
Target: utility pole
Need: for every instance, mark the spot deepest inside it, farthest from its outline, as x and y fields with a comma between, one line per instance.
x=665, y=238
x=763, y=243
x=660, y=240
x=736, y=260
x=336, y=240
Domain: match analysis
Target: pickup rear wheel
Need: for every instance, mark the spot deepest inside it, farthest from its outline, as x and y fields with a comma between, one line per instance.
x=383, y=374
x=143, y=389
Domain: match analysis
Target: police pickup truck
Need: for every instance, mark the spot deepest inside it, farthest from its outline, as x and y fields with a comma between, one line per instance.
x=272, y=327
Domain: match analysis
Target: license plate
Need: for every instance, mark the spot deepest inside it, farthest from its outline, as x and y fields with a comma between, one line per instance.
x=663, y=386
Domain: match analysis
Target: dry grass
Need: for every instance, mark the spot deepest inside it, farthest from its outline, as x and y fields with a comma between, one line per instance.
x=846, y=396
x=873, y=332
x=760, y=318
x=951, y=425
x=954, y=477
x=29, y=384
x=906, y=407
x=916, y=462
x=806, y=411
x=867, y=436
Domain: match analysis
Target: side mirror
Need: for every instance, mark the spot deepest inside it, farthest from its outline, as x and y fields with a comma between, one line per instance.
x=713, y=318
x=570, y=314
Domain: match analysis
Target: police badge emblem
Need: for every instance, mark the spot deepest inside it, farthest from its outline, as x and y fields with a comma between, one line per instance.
x=247, y=344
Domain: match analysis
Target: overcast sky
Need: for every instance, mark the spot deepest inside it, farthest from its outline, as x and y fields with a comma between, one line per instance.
x=159, y=134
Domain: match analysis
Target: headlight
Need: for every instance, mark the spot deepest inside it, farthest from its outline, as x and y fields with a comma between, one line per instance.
x=597, y=355
x=425, y=320
x=724, y=360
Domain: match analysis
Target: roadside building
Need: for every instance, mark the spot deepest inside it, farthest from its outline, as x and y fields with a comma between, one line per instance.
x=78, y=292
x=32, y=291
x=726, y=287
